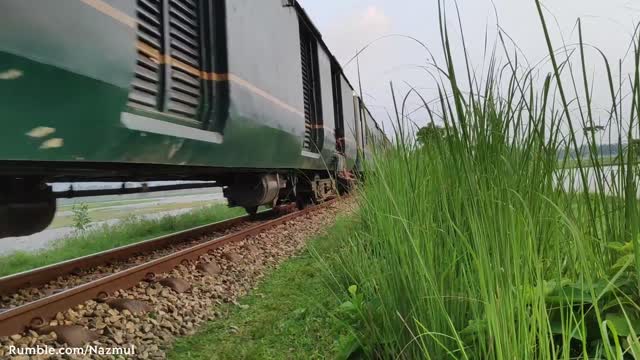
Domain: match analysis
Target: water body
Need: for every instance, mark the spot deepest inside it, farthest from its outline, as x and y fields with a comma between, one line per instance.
x=572, y=180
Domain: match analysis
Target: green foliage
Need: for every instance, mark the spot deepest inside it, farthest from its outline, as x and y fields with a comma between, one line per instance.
x=504, y=266
x=106, y=237
x=482, y=245
x=81, y=218
x=429, y=134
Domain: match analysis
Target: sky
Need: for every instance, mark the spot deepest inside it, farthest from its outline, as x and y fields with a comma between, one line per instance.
x=348, y=25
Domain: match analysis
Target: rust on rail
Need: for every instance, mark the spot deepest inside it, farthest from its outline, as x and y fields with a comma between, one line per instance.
x=39, y=312
x=41, y=276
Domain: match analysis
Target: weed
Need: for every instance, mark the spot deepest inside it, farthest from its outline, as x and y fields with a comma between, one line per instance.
x=81, y=219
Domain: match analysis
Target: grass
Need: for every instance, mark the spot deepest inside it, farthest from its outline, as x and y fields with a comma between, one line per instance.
x=98, y=214
x=129, y=231
x=116, y=200
x=472, y=246
x=292, y=315
x=103, y=204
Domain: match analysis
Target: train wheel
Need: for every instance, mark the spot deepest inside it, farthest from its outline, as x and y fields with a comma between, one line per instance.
x=300, y=203
x=251, y=210
x=303, y=200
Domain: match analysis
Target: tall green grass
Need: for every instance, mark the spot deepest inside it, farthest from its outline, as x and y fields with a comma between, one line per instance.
x=480, y=244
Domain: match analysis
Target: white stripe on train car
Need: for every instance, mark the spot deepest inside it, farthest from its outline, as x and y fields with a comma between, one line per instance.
x=310, y=154
x=145, y=124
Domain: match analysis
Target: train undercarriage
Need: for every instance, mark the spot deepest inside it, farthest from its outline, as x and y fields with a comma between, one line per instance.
x=28, y=203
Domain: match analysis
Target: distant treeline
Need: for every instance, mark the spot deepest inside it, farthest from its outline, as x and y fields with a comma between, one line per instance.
x=604, y=150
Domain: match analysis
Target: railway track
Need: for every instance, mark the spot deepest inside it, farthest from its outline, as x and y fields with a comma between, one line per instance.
x=33, y=301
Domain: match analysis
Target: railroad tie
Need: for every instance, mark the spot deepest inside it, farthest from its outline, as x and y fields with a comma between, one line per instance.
x=135, y=307
x=176, y=284
x=72, y=335
x=210, y=268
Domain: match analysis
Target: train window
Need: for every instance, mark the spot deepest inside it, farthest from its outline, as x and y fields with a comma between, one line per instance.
x=337, y=107
x=184, y=88
x=169, y=65
x=314, y=132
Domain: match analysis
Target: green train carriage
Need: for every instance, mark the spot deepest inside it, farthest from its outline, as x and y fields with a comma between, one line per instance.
x=241, y=92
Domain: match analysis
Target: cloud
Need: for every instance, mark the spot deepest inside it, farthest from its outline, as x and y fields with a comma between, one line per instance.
x=374, y=20
x=357, y=29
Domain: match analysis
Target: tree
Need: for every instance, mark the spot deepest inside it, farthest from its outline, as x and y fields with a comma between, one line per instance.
x=429, y=134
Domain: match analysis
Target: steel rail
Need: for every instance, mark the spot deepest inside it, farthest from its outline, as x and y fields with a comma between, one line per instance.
x=41, y=276
x=38, y=277
x=39, y=312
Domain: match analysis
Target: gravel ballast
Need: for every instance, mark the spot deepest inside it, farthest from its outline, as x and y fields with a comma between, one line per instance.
x=165, y=314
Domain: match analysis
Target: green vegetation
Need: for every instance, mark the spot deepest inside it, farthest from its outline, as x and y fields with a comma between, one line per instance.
x=428, y=134
x=81, y=219
x=102, y=204
x=117, y=200
x=479, y=244
x=292, y=315
x=129, y=231
x=102, y=213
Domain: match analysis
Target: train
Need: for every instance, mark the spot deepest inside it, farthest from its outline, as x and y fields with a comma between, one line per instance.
x=244, y=94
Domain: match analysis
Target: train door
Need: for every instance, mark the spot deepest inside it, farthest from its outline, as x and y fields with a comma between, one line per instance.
x=338, y=108
x=357, y=108
x=314, y=129
x=363, y=125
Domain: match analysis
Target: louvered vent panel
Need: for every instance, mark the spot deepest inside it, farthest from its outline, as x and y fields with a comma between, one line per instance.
x=146, y=84
x=184, y=38
x=307, y=89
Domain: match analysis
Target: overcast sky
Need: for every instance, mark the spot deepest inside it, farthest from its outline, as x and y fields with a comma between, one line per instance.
x=348, y=25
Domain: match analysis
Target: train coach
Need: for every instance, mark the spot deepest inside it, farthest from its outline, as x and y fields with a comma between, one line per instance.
x=241, y=92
